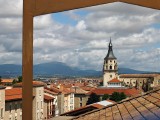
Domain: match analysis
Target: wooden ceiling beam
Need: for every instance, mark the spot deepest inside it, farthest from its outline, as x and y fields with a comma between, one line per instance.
x=52, y=6
x=154, y=4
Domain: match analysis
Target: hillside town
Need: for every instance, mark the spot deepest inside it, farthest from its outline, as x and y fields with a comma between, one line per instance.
x=57, y=97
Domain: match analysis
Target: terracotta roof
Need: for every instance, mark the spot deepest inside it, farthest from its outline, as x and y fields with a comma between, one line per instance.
x=35, y=84
x=47, y=97
x=77, y=90
x=87, y=88
x=97, y=105
x=137, y=75
x=53, y=89
x=66, y=91
x=115, y=80
x=13, y=94
x=127, y=91
x=7, y=80
x=142, y=107
x=50, y=92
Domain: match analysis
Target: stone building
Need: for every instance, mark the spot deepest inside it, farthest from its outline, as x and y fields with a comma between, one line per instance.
x=12, y=100
x=80, y=97
x=132, y=80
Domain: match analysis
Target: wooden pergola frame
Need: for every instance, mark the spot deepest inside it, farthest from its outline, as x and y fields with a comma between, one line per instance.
x=32, y=8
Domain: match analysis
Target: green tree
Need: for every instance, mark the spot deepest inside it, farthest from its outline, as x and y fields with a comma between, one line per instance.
x=116, y=96
x=123, y=96
x=93, y=99
x=105, y=97
x=14, y=82
x=101, y=84
x=19, y=79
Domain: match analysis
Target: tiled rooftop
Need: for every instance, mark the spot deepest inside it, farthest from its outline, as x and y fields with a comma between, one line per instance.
x=35, y=84
x=115, y=80
x=142, y=107
x=127, y=91
x=138, y=75
x=78, y=90
x=47, y=97
x=13, y=94
x=7, y=80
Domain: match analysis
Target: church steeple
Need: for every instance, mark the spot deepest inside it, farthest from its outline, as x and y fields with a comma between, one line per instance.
x=110, y=67
x=110, y=54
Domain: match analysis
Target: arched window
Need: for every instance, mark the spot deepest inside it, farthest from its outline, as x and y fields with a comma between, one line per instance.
x=110, y=67
x=110, y=76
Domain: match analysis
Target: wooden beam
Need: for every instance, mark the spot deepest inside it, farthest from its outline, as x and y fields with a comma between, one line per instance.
x=154, y=4
x=53, y=6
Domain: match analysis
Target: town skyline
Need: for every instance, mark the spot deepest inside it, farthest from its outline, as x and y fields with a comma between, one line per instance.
x=80, y=38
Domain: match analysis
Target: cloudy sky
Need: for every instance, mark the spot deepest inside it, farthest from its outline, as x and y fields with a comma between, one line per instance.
x=80, y=38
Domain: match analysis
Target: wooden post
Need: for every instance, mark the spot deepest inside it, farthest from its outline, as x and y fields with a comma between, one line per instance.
x=27, y=60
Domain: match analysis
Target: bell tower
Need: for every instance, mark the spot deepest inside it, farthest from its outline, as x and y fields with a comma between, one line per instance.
x=110, y=67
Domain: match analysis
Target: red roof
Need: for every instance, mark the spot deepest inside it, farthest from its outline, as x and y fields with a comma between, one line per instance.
x=115, y=80
x=47, y=97
x=53, y=89
x=138, y=75
x=13, y=94
x=35, y=84
x=127, y=91
x=50, y=92
x=7, y=81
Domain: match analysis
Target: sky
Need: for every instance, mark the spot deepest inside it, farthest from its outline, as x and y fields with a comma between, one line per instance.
x=80, y=37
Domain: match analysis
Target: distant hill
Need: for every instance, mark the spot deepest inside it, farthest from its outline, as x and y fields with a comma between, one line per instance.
x=130, y=71
x=56, y=69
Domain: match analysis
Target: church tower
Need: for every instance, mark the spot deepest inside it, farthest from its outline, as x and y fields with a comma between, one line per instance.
x=110, y=67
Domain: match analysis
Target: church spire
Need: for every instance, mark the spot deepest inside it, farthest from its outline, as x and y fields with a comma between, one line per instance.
x=110, y=43
x=110, y=54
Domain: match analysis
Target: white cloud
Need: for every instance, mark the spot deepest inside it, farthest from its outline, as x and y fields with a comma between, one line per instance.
x=134, y=35
x=81, y=25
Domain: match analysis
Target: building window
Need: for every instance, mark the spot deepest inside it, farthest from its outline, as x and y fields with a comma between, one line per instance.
x=80, y=99
x=20, y=105
x=37, y=106
x=15, y=107
x=110, y=67
x=1, y=112
x=110, y=76
x=10, y=108
x=80, y=104
x=39, y=92
x=41, y=104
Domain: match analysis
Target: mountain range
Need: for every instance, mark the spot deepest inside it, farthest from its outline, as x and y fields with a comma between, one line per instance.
x=56, y=69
